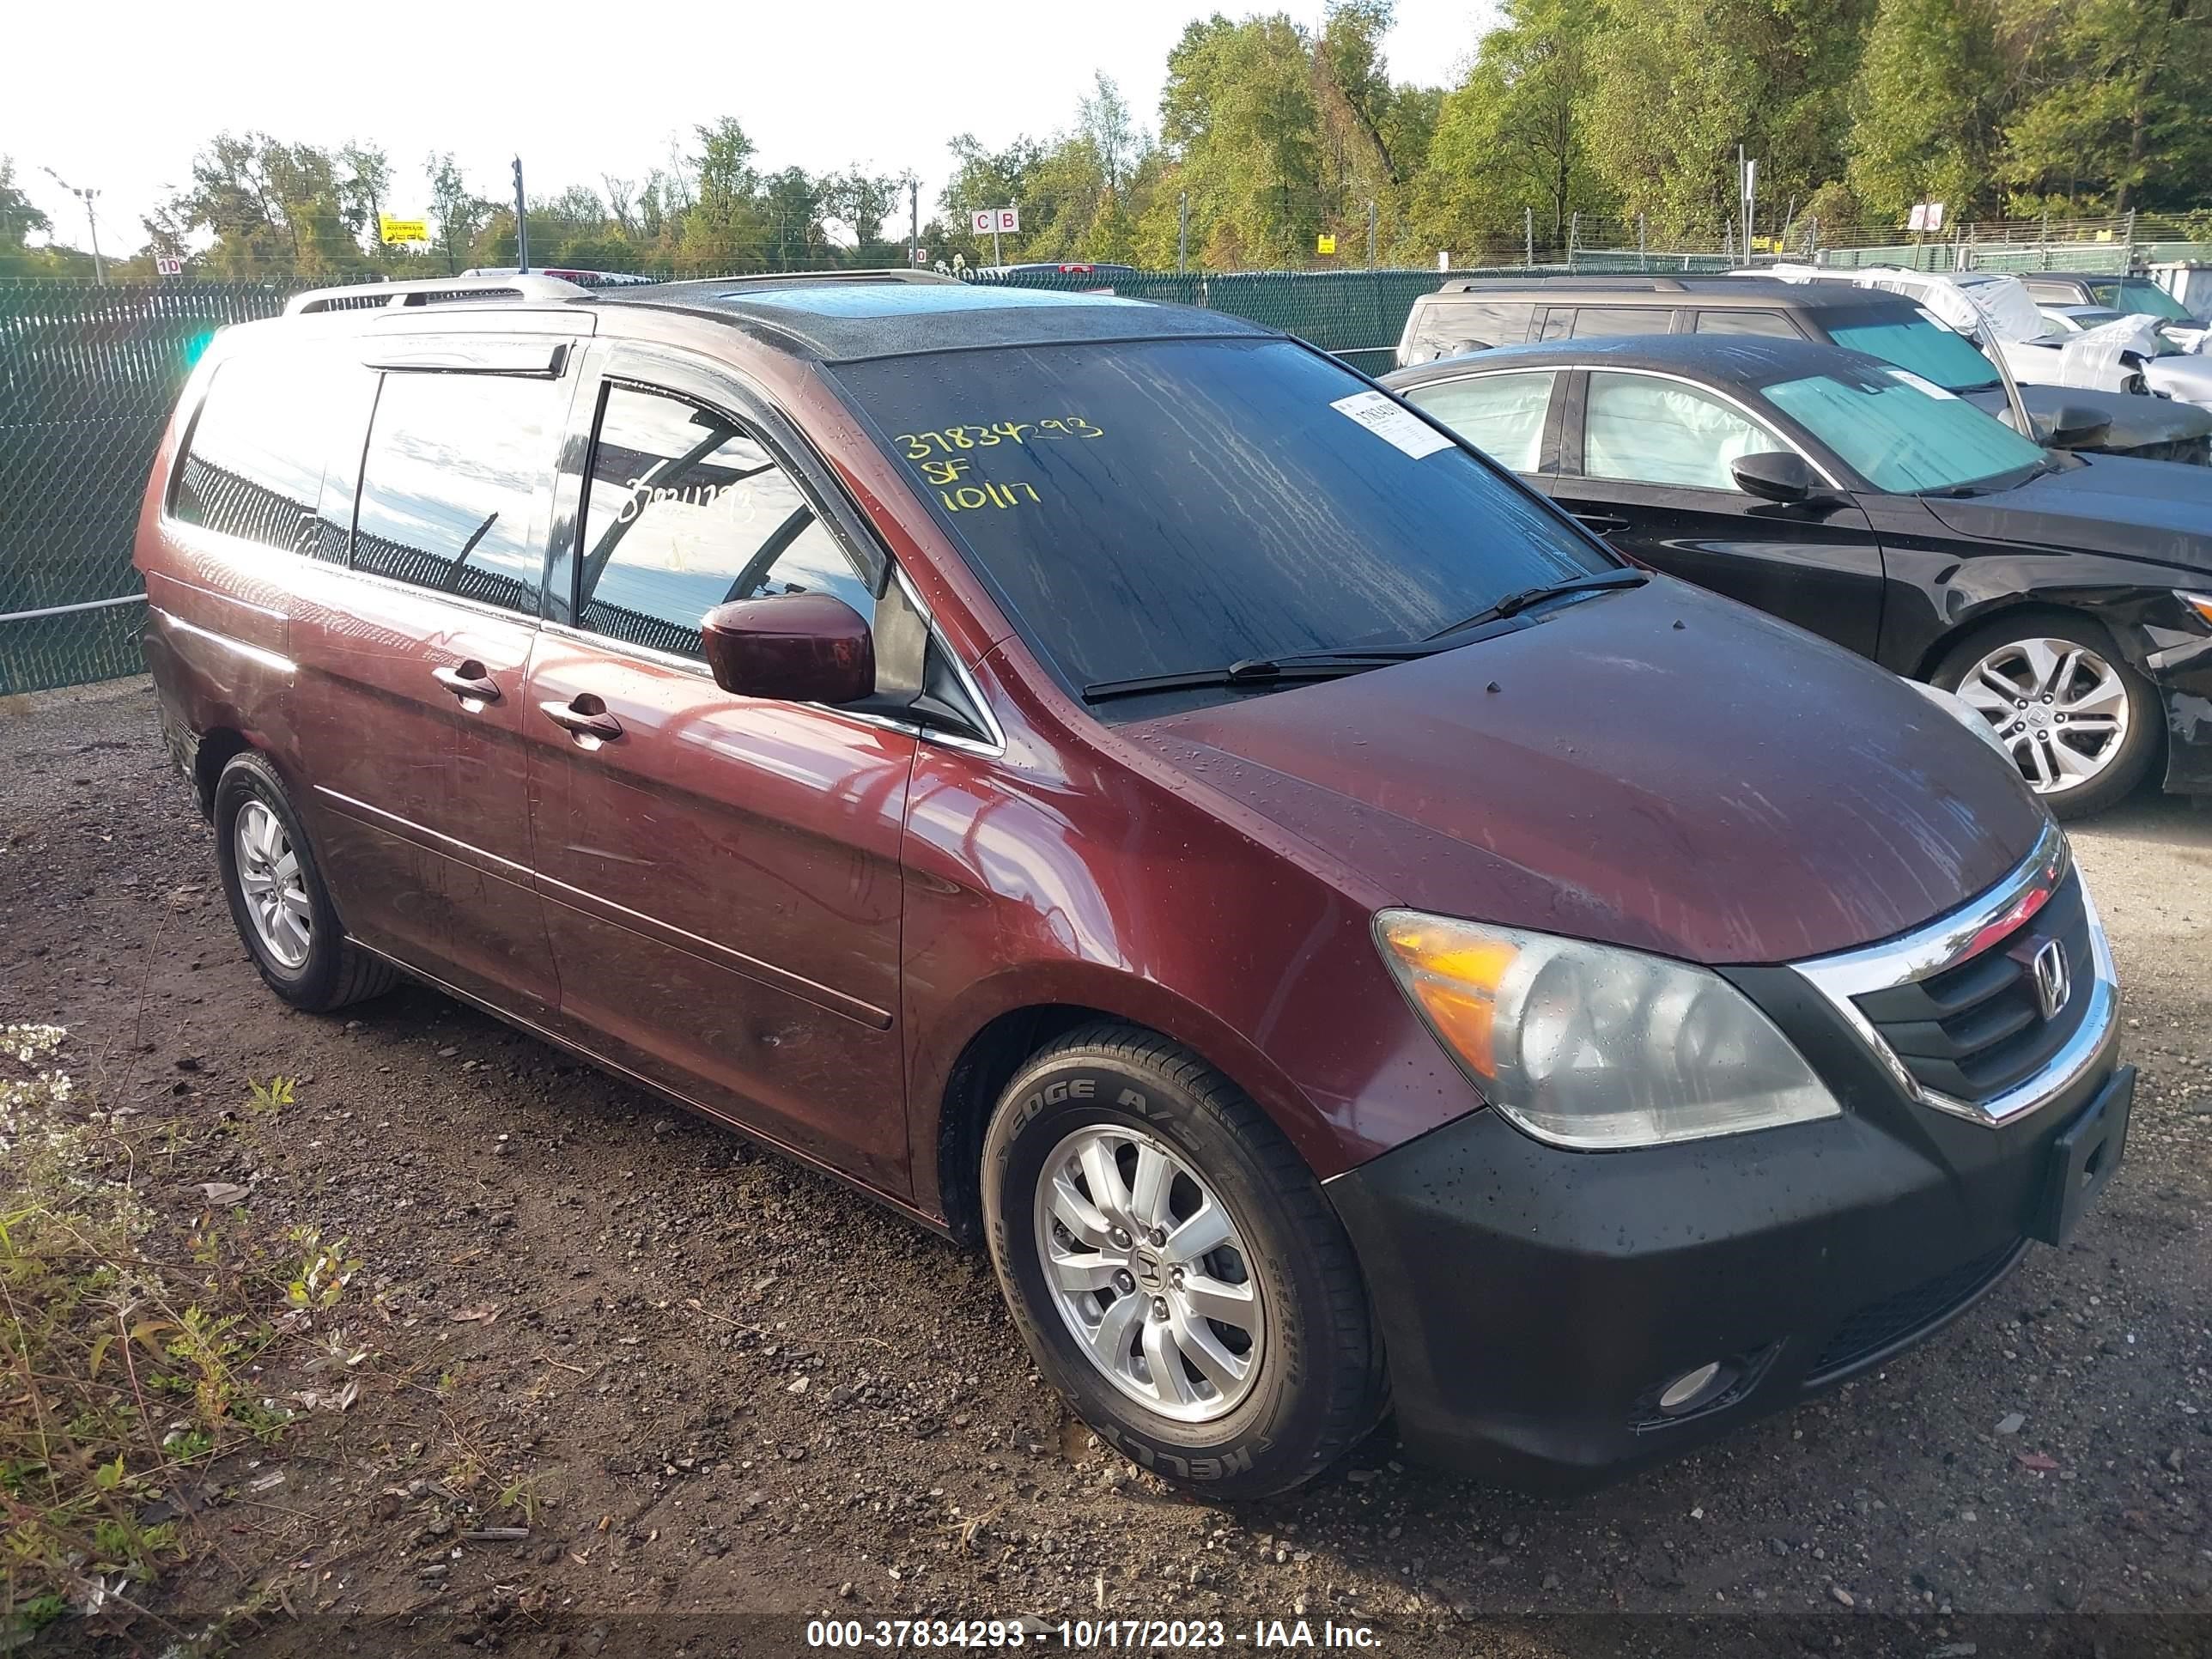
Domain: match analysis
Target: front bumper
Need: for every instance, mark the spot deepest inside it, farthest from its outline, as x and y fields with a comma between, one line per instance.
x=2183, y=674
x=1535, y=1302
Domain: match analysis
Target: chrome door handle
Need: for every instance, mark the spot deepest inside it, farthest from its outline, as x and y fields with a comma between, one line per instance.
x=469, y=683
x=586, y=718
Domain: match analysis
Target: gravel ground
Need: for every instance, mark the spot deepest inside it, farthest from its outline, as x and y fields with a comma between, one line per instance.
x=711, y=1383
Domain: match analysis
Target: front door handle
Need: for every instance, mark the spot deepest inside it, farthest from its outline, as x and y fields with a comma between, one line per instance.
x=586, y=718
x=1605, y=524
x=470, y=682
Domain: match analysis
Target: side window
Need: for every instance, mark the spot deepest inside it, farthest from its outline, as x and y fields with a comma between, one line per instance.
x=1457, y=323
x=270, y=424
x=2050, y=293
x=1772, y=323
x=686, y=510
x=1641, y=429
x=1501, y=415
x=1593, y=322
x=456, y=482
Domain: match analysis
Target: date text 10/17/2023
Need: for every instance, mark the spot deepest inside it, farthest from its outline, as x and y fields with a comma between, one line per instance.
x=1090, y=1635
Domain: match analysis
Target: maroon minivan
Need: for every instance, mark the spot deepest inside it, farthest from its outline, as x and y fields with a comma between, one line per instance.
x=1105, y=780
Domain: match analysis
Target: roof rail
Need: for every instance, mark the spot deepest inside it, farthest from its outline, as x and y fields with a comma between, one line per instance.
x=430, y=291
x=1626, y=282
x=887, y=274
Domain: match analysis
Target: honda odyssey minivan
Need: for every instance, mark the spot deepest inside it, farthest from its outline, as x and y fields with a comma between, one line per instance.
x=1109, y=782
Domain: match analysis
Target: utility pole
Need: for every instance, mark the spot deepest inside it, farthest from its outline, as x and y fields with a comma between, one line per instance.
x=913, y=221
x=91, y=220
x=1370, y=234
x=997, y=258
x=1182, y=232
x=521, y=224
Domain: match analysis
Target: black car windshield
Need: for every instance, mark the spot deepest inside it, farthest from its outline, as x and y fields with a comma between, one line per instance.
x=2139, y=297
x=1171, y=506
x=1902, y=433
x=1923, y=346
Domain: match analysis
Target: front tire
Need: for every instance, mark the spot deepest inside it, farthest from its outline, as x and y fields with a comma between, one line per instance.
x=2082, y=725
x=1174, y=1268
x=278, y=902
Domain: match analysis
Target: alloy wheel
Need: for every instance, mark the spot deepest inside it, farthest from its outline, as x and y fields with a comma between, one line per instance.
x=1149, y=1271
x=275, y=893
x=2057, y=706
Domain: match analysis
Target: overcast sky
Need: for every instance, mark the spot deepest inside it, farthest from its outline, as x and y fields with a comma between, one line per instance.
x=118, y=98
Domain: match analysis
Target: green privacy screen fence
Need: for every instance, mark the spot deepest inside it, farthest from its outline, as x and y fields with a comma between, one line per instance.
x=89, y=374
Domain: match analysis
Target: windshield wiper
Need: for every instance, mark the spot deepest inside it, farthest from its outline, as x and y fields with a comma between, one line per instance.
x=1287, y=667
x=1282, y=670
x=1513, y=603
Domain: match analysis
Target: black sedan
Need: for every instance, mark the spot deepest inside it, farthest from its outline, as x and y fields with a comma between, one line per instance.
x=2067, y=598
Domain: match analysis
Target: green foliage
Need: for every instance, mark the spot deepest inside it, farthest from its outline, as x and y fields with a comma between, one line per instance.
x=134, y=1346
x=1929, y=99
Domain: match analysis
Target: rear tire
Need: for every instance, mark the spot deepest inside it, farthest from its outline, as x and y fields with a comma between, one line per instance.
x=1174, y=1268
x=278, y=902
x=2082, y=725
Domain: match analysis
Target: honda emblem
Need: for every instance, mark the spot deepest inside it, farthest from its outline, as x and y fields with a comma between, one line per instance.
x=2053, y=980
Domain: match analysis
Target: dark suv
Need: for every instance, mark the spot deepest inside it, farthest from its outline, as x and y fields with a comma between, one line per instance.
x=1471, y=313
x=1106, y=780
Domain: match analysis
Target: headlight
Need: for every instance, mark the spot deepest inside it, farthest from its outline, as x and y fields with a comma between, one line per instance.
x=1591, y=1047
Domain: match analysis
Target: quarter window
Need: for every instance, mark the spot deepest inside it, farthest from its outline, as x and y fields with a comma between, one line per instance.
x=1595, y=322
x=455, y=487
x=270, y=425
x=1456, y=325
x=1501, y=415
x=687, y=510
x=1645, y=430
x=1771, y=324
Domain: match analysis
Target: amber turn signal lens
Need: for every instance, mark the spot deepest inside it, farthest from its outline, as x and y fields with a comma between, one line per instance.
x=1455, y=979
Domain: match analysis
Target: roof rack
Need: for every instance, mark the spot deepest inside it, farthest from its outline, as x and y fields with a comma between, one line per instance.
x=886, y=274
x=1626, y=283
x=439, y=290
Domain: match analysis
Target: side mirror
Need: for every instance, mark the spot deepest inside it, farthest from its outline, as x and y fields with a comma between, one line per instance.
x=793, y=647
x=1777, y=476
x=2074, y=426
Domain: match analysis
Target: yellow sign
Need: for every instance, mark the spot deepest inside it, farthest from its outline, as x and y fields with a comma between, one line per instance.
x=402, y=230
x=1324, y=243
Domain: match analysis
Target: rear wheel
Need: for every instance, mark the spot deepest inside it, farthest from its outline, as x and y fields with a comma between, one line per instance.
x=2082, y=726
x=1174, y=1268
x=278, y=902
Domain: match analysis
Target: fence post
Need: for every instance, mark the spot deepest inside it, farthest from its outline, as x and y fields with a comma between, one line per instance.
x=1574, y=229
x=1370, y=234
x=1643, y=256
x=1182, y=232
x=1528, y=234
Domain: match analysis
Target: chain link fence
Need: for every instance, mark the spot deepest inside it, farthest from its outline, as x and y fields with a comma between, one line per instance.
x=87, y=377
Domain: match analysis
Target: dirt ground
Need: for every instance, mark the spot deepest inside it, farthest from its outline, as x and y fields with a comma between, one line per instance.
x=710, y=1384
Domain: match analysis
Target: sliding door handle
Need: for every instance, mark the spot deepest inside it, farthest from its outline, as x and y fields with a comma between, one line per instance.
x=585, y=718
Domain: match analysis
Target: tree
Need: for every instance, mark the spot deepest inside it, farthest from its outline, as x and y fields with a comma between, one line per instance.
x=1679, y=84
x=2116, y=95
x=456, y=212
x=18, y=219
x=1513, y=134
x=270, y=208
x=1101, y=121
x=1929, y=99
x=364, y=186
x=1239, y=115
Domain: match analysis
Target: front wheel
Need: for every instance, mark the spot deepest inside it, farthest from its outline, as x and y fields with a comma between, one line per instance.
x=1174, y=1268
x=2082, y=726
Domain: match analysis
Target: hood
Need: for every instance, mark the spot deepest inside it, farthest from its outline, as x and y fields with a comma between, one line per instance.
x=1660, y=769
x=2138, y=423
x=2186, y=378
x=2102, y=504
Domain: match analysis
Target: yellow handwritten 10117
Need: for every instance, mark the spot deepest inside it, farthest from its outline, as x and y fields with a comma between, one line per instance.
x=954, y=440
x=983, y=493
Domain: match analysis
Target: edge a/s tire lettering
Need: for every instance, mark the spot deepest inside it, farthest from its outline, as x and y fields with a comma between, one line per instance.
x=1234, y=1460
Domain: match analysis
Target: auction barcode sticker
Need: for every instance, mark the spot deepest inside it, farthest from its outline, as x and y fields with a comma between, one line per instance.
x=1393, y=424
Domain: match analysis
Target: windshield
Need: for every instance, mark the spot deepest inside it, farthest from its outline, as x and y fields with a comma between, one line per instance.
x=1901, y=434
x=1169, y=506
x=1924, y=346
x=2134, y=295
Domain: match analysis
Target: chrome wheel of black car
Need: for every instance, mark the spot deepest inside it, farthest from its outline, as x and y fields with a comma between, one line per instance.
x=2081, y=724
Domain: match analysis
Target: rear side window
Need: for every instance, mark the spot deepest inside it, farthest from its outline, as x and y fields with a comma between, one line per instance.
x=686, y=511
x=1501, y=415
x=1771, y=324
x=1457, y=323
x=1595, y=322
x=270, y=424
x=457, y=484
